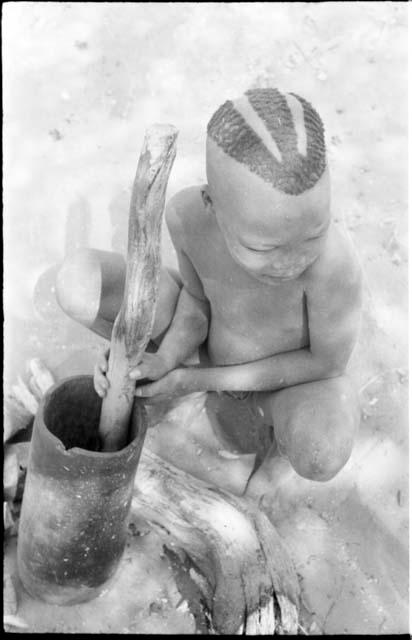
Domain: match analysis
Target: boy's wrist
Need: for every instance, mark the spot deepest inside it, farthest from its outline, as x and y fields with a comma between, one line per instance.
x=170, y=361
x=174, y=359
x=189, y=379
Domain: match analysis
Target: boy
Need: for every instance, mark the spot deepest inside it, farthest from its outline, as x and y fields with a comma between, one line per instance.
x=268, y=282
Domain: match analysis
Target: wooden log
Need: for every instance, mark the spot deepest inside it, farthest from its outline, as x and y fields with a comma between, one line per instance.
x=10, y=475
x=11, y=621
x=9, y=595
x=16, y=457
x=42, y=378
x=23, y=394
x=34, y=388
x=133, y=325
x=16, y=417
x=247, y=580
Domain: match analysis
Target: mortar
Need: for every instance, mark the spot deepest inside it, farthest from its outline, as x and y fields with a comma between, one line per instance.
x=76, y=500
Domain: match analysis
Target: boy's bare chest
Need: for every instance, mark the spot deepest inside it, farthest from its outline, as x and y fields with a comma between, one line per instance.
x=242, y=303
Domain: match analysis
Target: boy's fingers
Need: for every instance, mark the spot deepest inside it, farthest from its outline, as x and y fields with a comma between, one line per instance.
x=146, y=391
x=98, y=374
x=102, y=364
x=139, y=372
x=144, y=371
x=100, y=380
x=100, y=392
x=152, y=370
x=103, y=360
x=99, y=369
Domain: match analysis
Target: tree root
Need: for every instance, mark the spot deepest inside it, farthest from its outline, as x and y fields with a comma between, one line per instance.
x=237, y=558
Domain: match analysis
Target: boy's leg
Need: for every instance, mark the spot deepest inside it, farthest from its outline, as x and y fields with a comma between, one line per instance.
x=314, y=429
x=90, y=285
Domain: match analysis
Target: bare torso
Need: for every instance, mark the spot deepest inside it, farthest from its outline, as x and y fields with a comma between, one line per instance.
x=249, y=320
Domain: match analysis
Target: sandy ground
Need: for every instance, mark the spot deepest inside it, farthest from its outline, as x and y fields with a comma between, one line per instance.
x=81, y=83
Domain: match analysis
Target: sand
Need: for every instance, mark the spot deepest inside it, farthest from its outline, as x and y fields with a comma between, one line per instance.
x=81, y=83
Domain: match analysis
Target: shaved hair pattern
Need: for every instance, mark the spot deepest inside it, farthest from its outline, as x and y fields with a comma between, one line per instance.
x=279, y=137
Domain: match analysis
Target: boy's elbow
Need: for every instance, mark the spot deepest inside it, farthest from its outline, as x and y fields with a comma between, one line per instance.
x=332, y=366
x=200, y=325
x=333, y=356
x=197, y=311
x=335, y=370
x=195, y=323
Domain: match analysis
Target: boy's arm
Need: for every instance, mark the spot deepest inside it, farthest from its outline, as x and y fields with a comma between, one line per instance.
x=187, y=330
x=333, y=305
x=189, y=326
x=333, y=317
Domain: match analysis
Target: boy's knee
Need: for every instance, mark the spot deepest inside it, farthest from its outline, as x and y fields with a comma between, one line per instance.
x=319, y=464
x=89, y=288
x=319, y=450
x=316, y=427
x=78, y=286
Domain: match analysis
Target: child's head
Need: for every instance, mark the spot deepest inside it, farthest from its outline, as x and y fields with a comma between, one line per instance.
x=268, y=182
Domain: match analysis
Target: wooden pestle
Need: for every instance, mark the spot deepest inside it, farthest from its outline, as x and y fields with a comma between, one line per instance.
x=134, y=322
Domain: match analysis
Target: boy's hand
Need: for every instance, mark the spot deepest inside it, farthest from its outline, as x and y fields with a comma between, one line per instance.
x=100, y=381
x=153, y=366
x=173, y=384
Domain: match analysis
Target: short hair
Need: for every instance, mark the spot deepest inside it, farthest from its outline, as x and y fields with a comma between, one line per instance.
x=291, y=172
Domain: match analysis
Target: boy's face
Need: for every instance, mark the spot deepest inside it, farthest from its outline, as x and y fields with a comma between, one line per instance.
x=272, y=235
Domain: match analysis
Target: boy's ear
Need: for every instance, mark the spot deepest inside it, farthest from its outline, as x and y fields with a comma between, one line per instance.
x=207, y=200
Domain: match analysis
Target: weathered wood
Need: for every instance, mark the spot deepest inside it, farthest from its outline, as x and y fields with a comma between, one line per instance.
x=23, y=394
x=133, y=325
x=16, y=417
x=41, y=377
x=243, y=579
x=10, y=475
x=22, y=402
x=247, y=580
x=14, y=469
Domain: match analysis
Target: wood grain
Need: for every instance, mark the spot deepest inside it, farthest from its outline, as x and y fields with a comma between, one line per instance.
x=133, y=325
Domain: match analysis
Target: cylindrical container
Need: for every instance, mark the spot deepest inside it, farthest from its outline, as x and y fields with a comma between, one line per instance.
x=76, y=500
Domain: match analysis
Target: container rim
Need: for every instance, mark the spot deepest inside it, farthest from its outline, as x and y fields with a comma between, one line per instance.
x=41, y=424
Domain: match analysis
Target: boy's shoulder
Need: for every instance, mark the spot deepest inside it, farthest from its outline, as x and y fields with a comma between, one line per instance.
x=185, y=212
x=338, y=267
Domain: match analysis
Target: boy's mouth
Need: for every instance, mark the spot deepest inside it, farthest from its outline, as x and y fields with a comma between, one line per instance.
x=273, y=279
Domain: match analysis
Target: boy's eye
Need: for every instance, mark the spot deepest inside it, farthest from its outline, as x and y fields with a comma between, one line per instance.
x=260, y=251
x=263, y=250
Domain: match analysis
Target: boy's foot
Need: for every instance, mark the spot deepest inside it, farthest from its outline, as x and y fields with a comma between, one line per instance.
x=265, y=485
